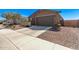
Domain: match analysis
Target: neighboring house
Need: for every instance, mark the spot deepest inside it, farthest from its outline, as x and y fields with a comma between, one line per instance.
x=24, y=21
x=7, y=22
x=46, y=17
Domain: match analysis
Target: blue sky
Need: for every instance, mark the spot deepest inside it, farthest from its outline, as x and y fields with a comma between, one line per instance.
x=70, y=14
x=67, y=14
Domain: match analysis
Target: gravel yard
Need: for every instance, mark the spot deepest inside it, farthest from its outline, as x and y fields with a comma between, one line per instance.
x=2, y=26
x=68, y=37
x=13, y=27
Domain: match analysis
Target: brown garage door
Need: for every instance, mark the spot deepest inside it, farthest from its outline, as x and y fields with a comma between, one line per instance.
x=44, y=20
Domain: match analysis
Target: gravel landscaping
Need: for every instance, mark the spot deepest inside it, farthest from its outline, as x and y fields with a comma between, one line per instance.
x=67, y=36
x=13, y=27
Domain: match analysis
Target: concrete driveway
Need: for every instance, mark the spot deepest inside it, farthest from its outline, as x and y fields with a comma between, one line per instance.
x=13, y=40
x=34, y=30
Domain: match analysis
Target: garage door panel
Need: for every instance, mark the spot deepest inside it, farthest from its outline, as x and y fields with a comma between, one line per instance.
x=45, y=20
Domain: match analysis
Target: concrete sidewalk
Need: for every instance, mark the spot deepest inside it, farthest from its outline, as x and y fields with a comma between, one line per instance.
x=10, y=39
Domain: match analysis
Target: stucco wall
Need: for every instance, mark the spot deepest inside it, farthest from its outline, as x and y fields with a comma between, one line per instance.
x=71, y=23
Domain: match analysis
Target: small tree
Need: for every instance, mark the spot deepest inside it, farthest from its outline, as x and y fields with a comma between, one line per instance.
x=7, y=15
x=11, y=16
x=16, y=17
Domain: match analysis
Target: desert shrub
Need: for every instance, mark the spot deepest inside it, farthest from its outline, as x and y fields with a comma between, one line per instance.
x=13, y=26
x=57, y=27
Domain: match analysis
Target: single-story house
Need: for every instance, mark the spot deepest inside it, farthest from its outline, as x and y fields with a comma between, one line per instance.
x=46, y=17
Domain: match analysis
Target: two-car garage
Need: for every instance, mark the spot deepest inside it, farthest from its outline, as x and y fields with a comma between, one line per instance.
x=43, y=20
